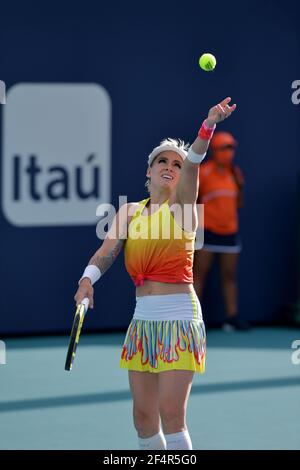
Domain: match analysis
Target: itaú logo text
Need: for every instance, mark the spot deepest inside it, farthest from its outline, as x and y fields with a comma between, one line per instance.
x=56, y=153
x=2, y=353
x=2, y=92
x=56, y=182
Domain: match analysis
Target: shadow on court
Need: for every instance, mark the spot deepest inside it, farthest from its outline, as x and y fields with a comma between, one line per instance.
x=248, y=375
x=94, y=398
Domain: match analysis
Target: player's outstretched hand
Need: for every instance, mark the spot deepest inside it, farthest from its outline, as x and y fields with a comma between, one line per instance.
x=220, y=112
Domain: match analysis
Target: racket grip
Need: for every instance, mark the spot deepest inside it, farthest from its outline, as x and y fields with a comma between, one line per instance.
x=85, y=302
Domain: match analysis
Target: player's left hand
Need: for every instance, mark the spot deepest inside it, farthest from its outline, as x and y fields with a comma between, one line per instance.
x=220, y=112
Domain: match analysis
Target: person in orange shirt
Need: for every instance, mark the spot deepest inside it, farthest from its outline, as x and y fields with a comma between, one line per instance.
x=221, y=191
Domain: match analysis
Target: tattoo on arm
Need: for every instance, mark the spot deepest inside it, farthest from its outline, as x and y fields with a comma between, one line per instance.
x=119, y=234
x=105, y=262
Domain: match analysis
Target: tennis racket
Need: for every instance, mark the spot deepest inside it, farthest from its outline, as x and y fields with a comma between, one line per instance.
x=75, y=333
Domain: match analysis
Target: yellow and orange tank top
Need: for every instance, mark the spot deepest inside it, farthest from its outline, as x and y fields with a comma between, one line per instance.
x=218, y=192
x=157, y=248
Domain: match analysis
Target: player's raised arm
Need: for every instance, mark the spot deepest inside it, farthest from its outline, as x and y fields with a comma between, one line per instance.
x=187, y=190
x=104, y=257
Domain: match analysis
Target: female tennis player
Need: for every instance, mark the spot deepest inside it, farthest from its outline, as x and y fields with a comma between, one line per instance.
x=165, y=341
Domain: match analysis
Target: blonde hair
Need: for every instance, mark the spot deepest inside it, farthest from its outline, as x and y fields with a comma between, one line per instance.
x=177, y=144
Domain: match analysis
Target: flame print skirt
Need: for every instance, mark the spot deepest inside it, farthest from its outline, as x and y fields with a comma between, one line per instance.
x=167, y=332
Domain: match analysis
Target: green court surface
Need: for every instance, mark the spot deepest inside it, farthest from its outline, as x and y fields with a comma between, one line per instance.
x=249, y=397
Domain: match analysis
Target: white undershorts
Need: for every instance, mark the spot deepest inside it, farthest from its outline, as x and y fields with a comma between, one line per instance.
x=168, y=307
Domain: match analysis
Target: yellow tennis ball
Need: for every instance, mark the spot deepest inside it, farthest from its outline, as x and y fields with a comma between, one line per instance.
x=207, y=62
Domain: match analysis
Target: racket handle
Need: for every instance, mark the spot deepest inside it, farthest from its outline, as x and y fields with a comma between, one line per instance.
x=85, y=302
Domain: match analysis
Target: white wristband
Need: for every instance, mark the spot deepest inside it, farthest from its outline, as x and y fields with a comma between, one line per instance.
x=92, y=272
x=195, y=157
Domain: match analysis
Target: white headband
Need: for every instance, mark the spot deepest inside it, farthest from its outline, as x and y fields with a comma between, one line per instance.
x=162, y=148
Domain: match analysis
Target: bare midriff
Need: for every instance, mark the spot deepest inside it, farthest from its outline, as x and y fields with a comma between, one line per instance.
x=163, y=288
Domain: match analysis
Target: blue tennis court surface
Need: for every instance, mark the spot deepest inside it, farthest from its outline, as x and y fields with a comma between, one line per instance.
x=249, y=398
